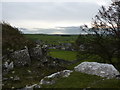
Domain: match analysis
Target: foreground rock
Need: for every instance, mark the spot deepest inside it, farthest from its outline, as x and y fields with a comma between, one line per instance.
x=23, y=57
x=32, y=86
x=7, y=66
x=99, y=69
x=49, y=80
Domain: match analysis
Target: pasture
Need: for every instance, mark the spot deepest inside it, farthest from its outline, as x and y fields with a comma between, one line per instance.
x=52, y=39
x=61, y=54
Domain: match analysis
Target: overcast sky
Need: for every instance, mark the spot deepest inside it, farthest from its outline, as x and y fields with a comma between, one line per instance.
x=51, y=17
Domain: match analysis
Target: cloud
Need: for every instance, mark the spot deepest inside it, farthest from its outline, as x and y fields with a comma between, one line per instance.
x=49, y=12
x=58, y=30
x=49, y=15
x=50, y=0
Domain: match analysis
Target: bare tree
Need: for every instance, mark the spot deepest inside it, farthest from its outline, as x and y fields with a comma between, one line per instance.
x=104, y=38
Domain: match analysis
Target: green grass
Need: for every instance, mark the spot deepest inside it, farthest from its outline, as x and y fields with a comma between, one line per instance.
x=75, y=80
x=52, y=39
x=108, y=83
x=70, y=56
x=61, y=54
x=81, y=80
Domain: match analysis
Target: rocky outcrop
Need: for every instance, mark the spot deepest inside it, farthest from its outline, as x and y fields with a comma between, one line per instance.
x=36, y=53
x=24, y=57
x=51, y=79
x=99, y=69
x=21, y=57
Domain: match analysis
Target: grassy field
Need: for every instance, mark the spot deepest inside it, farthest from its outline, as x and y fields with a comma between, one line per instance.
x=61, y=54
x=52, y=39
x=69, y=56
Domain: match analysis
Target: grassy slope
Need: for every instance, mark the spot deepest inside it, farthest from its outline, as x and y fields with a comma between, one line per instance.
x=81, y=80
x=66, y=55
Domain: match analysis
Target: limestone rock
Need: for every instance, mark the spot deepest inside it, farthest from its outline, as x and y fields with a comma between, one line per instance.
x=8, y=66
x=36, y=53
x=49, y=80
x=99, y=69
x=32, y=86
x=16, y=78
x=13, y=72
x=11, y=66
x=64, y=73
x=21, y=57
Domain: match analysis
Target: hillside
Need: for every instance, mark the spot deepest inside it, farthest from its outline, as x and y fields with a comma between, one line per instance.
x=12, y=38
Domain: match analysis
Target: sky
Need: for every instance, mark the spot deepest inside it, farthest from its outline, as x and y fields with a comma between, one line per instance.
x=50, y=17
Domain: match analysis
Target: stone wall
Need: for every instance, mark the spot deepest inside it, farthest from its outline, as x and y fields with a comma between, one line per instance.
x=59, y=61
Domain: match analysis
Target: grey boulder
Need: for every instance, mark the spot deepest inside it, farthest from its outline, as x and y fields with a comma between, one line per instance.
x=49, y=80
x=99, y=69
x=9, y=66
